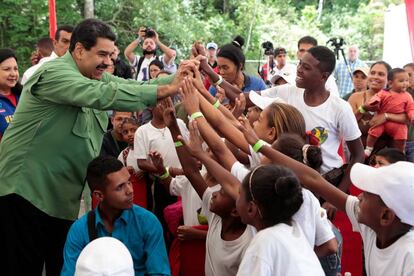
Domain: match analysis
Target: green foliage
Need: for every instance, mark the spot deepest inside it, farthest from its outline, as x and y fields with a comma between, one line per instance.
x=179, y=23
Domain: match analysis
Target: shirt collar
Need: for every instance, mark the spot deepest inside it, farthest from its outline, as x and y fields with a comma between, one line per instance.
x=98, y=220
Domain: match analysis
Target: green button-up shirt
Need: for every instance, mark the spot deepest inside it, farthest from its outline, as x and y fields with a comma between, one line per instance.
x=57, y=130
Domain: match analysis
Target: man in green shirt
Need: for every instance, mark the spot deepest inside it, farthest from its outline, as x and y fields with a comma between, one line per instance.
x=57, y=130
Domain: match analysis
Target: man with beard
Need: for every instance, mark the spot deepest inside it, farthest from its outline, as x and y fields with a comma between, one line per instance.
x=150, y=41
x=56, y=131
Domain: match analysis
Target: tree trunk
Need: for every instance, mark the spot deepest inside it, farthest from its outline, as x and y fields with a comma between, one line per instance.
x=89, y=9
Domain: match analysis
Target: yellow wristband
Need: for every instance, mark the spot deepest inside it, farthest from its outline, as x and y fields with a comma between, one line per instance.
x=178, y=144
x=217, y=104
x=361, y=109
x=166, y=174
x=259, y=144
x=196, y=115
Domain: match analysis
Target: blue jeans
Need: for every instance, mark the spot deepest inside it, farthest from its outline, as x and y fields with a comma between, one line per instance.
x=409, y=150
x=331, y=264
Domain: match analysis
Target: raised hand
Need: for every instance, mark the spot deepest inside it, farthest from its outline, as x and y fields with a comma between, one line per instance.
x=194, y=145
x=247, y=131
x=239, y=106
x=169, y=112
x=157, y=161
x=189, y=97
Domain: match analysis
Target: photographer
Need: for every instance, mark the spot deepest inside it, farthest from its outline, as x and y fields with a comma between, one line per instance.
x=150, y=41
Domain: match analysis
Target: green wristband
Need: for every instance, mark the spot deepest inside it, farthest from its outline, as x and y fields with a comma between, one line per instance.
x=259, y=144
x=217, y=104
x=196, y=115
x=178, y=144
x=361, y=109
x=166, y=174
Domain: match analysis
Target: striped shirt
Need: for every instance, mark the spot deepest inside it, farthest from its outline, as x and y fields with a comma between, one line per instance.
x=343, y=75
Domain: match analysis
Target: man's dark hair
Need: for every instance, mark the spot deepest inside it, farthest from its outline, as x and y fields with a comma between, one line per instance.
x=99, y=168
x=87, y=33
x=45, y=46
x=66, y=28
x=409, y=65
x=325, y=57
x=308, y=40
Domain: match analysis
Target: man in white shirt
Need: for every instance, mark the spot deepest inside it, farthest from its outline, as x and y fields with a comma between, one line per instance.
x=281, y=68
x=150, y=41
x=328, y=119
x=60, y=46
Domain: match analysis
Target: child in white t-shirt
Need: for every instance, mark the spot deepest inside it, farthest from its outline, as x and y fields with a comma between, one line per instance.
x=227, y=236
x=128, y=128
x=383, y=213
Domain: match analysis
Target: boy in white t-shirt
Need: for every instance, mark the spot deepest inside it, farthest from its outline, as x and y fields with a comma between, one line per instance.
x=328, y=119
x=383, y=213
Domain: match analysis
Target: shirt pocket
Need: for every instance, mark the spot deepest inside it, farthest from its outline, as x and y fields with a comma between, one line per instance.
x=82, y=122
x=102, y=118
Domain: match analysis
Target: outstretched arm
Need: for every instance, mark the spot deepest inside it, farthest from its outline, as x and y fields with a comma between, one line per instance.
x=308, y=177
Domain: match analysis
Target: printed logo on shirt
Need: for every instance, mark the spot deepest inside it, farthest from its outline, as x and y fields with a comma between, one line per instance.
x=317, y=136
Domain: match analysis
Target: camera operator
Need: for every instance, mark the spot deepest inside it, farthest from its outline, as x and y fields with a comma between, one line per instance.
x=281, y=67
x=150, y=41
x=268, y=67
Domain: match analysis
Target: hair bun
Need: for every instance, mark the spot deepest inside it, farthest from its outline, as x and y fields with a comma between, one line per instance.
x=286, y=186
x=238, y=41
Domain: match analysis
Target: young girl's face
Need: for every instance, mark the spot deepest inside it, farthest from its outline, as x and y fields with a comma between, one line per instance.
x=360, y=81
x=128, y=132
x=381, y=161
x=261, y=127
x=221, y=203
x=400, y=83
x=154, y=70
x=253, y=114
x=242, y=206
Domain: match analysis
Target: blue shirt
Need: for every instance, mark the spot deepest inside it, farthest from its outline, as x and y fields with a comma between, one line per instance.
x=137, y=228
x=7, y=109
x=343, y=78
x=250, y=83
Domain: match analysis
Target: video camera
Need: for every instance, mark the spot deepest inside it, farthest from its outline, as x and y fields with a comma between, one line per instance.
x=268, y=47
x=149, y=32
x=336, y=42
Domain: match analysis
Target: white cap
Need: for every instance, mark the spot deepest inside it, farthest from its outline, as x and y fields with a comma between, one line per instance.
x=263, y=102
x=105, y=256
x=288, y=78
x=212, y=45
x=393, y=183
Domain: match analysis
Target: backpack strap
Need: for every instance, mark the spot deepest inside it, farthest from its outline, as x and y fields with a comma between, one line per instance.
x=91, y=225
x=140, y=61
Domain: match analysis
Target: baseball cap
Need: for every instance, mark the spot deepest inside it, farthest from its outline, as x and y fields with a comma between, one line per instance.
x=364, y=70
x=211, y=45
x=394, y=184
x=105, y=256
x=261, y=101
x=288, y=78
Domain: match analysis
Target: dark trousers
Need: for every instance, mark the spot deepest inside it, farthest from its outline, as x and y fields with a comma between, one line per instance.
x=30, y=238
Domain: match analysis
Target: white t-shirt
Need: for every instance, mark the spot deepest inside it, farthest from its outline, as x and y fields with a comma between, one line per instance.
x=280, y=250
x=332, y=121
x=310, y=216
x=30, y=71
x=131, y=161
x=191, y=202
x=149, y=138
x=396, y=260
x=222, y=257
x=287, y=70
x=144, y=73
